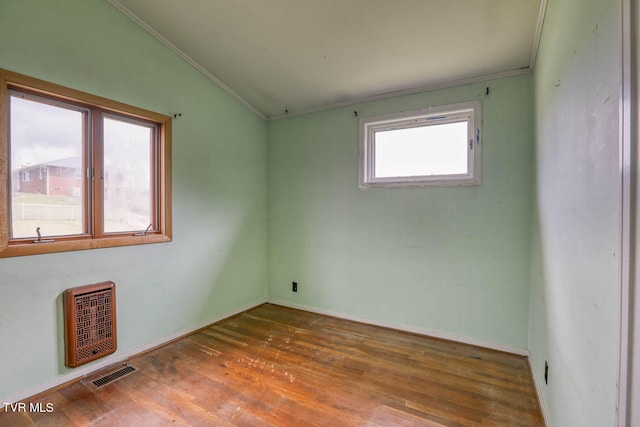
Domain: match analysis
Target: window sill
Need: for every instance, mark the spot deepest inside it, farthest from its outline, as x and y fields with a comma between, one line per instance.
x=13, y=250
x=442, y=181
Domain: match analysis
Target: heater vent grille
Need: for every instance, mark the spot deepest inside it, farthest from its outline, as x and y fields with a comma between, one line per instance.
x=93, y=317
x=90, y=323
x=109, y=378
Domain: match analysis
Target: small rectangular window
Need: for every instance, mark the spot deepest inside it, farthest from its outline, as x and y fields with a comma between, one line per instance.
x=434, y=147
x=84, y=172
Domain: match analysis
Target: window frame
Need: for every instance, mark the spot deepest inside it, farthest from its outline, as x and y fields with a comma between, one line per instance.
x=99, y=106
x=368, y=126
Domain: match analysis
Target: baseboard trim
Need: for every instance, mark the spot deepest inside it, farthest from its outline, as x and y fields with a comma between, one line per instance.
x=119, y=357
x=538, y=387
x=406, y=328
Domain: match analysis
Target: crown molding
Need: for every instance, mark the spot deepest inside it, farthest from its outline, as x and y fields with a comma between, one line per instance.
x=426, y=88
x=135, y=18
x=421, y=89
x=536, y=38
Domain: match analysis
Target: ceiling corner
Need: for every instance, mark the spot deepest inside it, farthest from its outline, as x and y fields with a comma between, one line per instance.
x=538, y=34
x=135, y=18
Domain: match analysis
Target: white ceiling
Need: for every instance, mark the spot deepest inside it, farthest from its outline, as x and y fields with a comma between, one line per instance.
x=305, y=55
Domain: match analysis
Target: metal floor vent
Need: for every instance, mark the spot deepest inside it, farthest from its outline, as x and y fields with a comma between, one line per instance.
x=116, y=375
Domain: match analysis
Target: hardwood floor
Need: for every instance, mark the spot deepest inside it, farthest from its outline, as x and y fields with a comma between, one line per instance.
x=274, y=366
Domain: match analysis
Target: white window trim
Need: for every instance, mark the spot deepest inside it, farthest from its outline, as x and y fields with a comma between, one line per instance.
x=435, y=115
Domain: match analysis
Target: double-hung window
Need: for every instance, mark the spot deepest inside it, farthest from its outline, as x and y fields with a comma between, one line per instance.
x=79, y=171
x=439, y=146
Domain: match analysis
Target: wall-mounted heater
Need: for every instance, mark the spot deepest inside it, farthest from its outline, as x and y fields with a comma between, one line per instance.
x=89, y=322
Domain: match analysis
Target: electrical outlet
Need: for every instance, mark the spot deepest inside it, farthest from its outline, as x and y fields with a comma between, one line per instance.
x=546, y=372
x=294, y=286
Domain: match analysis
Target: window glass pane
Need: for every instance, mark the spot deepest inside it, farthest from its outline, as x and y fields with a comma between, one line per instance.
x=422, y=151
x=46, y=145
x=128, y=191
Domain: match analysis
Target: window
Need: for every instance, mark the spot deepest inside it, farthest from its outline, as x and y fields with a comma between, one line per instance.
x=103, y=170
x=434, y=147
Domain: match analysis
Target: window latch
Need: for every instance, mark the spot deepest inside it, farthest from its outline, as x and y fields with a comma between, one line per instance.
x=40, y=239
x=144, y=233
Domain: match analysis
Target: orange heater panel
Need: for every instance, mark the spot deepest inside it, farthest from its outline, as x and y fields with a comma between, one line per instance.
x=89, y=323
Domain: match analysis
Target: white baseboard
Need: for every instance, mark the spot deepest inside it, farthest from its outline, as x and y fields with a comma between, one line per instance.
x=401, y=327
x=117, y=358
x=538, y=387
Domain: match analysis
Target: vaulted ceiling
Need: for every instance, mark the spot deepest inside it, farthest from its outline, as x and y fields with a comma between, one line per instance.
x=306, y=55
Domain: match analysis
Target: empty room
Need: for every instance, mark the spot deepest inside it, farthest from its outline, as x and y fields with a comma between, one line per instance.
x=331, y=213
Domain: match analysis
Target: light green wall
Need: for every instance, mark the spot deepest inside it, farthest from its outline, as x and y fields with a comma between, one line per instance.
x=452, y=260
x=575, y=285
x=217, y=261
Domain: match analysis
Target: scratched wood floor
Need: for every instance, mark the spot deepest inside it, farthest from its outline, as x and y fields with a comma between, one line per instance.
x=274, y=366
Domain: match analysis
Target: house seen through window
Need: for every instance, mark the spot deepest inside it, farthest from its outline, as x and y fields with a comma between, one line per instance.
x=48, y=140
